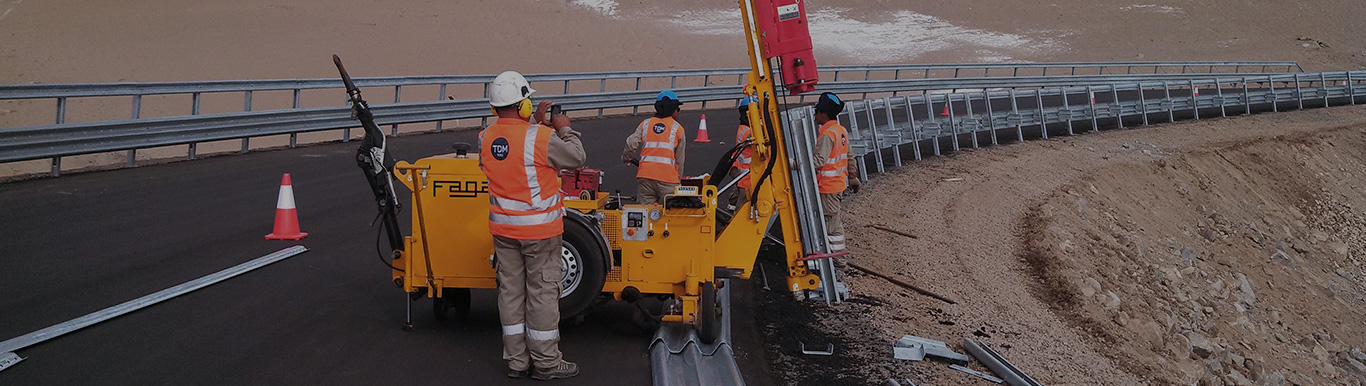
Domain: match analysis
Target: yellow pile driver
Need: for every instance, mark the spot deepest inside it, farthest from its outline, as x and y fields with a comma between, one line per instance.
x=626, y=251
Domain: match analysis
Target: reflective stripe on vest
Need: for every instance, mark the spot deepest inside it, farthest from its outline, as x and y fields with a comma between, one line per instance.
x=742, y=162
x=832, y=177
x=657, y=158
x=524, y=199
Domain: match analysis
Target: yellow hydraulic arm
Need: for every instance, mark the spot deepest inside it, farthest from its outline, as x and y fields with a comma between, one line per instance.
x=770, y=171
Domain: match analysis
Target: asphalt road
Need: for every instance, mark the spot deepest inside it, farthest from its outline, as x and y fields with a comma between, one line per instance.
x=82, y=242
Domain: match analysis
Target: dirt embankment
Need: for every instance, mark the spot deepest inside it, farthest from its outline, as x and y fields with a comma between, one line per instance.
x=1223, y=251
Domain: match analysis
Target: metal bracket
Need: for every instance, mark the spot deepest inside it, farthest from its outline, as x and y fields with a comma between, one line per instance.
x=829, y=350
x=914, y=348
x=976, y=373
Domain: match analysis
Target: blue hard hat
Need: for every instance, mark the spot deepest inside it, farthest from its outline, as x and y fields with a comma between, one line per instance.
x=747, y=100
x=666, y=94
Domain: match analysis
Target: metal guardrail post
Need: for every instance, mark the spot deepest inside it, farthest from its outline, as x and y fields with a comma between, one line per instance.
x=991, y=116
x=393, y=130
x=1167, y=102
x=1143, y=101
x=929, y=116
x=1351, y=93
x=1271, y=85
x=1247, y=99
x=967, y=103
x=1091, y=101
x=915, y=134
x=484, y=121
x=872, y=131
x=442, y=96
x=1219, y=92
x=1195, y=99
x=634, y=109
x=1323, y=85
x=1299, y=93
x=137, y=112
x=1019, y=120
x=891, y=128
x=602, y=87
x=246, y=106
x=953, y=124
x=1119, y=107
x=1043, y=121
x=1066, y=106
x=61, y=118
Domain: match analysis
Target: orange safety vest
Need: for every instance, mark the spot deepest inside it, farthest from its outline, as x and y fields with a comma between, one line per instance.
x=833, y=175
x=524, y=191
x=742, y=163
x=657, y=158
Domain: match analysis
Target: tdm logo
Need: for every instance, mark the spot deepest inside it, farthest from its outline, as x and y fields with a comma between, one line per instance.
x=658, y=128
x=499, y=148
x=460, y=189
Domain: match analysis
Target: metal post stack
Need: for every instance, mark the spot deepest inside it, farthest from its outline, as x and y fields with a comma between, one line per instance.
x=800, y=130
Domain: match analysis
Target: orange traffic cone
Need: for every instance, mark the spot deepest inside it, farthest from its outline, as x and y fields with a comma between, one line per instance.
x=702, y=131
x=1197, y=90
x=1092, y=94
x=945, y=113
x=286, y=217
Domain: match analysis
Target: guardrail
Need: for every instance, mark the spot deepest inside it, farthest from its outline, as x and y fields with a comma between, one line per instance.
x=891, y=127
x=67, y=139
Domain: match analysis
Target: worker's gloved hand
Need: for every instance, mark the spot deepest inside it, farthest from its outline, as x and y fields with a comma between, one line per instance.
x=854, y=185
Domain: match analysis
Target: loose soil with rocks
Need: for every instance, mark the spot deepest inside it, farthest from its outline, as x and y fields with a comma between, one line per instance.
x=1223, y=251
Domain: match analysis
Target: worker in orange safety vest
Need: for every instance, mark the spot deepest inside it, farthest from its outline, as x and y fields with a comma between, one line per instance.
x=741, y=165
x=660, y=141
x=833, y=172
x=522, y=159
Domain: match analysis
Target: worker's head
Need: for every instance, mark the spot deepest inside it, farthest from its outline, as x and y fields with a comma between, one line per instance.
x=828, y=106
x=744, y=109
x=510, y=96
x=667, y=104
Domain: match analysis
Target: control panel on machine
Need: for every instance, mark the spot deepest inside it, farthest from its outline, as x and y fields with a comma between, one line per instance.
x=635, y=223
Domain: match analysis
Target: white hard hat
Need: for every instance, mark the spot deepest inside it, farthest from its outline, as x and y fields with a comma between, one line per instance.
x=508, y=89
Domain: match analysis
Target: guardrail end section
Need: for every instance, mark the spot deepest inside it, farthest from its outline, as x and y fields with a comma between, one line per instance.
x=9, y=359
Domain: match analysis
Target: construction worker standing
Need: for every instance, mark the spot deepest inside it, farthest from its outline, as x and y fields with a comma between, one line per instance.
x=833, y=173
x=741, y=165
x=661, y=141
x=522, y=160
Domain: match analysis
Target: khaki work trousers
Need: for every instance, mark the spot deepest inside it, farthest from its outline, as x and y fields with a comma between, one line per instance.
x=649, y=191
x=529, y=301
x=832, y=204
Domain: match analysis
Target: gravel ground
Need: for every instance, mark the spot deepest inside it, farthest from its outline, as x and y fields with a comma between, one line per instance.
x=1122, y=257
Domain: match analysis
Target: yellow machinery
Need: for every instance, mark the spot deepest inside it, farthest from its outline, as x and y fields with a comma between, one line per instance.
x=626, y=251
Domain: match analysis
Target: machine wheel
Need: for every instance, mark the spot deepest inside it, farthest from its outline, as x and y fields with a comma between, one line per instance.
x=457, y=299
x=708, y=315
x=582, y=270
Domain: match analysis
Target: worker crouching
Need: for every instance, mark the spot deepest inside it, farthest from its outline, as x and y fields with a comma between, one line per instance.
x=522, y=159
x=833, y=174
x=660, y=141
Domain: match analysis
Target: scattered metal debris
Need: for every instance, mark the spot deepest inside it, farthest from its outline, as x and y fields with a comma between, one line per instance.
x=765, y=276
x=914, y=348
x=953, y=179
x=883, y=228
x=892, y=382
x=976, y=373
x=830, y=350
x=998, y=364
x=903, y=284
x=909, y=383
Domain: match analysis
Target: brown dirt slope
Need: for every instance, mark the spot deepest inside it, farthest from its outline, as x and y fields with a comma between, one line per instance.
x=1219, y=251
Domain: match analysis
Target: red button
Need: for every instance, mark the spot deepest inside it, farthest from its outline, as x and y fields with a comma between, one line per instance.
x=630, y=232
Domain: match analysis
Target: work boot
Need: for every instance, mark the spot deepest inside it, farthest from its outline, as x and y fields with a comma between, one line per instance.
x=564, y=369
x=518, y=374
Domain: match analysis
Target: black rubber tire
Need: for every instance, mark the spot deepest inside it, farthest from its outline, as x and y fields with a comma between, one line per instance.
x=708, y=315
x=458, y=300
x=590, y=255
x=440, y=308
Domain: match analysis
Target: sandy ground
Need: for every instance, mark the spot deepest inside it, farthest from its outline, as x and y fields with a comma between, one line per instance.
x=68, y=41
x=1225, y=251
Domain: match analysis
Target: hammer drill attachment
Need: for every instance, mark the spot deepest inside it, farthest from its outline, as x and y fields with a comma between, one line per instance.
x=374, y=160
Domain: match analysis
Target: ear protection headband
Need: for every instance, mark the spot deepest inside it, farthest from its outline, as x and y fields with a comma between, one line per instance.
x=524, y=109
